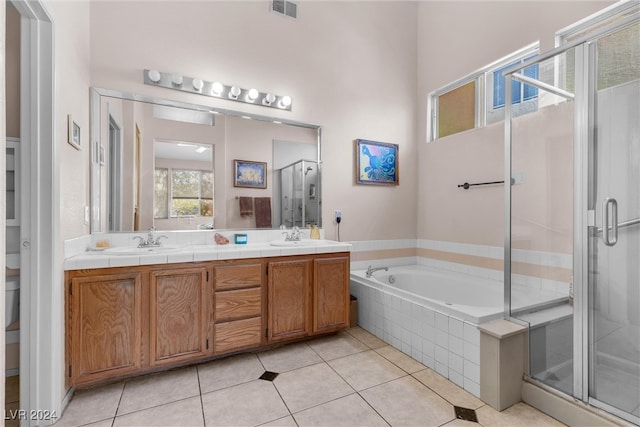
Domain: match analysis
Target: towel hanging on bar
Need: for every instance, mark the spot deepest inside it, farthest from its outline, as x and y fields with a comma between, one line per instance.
x=263, y=212
x=246, y=206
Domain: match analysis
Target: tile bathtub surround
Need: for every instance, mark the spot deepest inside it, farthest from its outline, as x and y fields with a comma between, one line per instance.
x=376, y=249
x=349, y=379
x=541, y=270
x=447, y=345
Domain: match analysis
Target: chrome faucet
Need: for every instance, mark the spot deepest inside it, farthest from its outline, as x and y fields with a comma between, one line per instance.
x=372, y=270
x=152, y=240
x=294, y=236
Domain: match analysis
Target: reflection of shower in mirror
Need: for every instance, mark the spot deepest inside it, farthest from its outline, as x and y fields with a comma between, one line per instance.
x=299, y=184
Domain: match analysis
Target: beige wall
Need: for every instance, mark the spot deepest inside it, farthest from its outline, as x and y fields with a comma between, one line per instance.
x=364, y=78
x=72, y=97
x=453, y=214
x=365, y=85
x=349, y=66
x=71, y=68
x=455, y=39
x=542, y=206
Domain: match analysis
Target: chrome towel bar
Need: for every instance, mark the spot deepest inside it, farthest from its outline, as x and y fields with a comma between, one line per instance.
x=466, y=185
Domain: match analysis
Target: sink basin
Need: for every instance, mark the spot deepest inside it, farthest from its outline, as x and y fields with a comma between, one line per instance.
x=299, y=243
x=132, y=250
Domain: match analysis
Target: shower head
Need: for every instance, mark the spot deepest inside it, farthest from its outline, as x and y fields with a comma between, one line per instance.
x=307, y=171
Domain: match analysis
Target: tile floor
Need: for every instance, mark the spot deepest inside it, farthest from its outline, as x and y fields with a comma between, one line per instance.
x=348, y=379
x=11, y=399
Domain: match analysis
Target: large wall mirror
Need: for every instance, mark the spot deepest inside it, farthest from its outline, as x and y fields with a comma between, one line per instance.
x=171, y=165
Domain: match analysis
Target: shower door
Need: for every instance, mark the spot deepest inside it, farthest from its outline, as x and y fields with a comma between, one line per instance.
x=614, y=234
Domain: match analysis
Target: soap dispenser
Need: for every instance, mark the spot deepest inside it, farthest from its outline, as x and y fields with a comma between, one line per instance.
x=315, y=233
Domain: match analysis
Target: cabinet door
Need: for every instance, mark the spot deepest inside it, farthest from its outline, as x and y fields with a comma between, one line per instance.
x=105, y=331
x=289, y=299
x=331, y=294
x=179, y=315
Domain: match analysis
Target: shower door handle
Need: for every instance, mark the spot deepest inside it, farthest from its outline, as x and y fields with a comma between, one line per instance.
x=610, y=224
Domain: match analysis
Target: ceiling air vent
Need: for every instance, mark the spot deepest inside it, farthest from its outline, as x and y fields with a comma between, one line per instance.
x=285, y=7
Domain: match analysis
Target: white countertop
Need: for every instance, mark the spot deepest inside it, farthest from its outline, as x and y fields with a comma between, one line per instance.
x=193, y=253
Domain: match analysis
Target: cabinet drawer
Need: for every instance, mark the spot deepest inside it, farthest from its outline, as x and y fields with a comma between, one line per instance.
x=238, y=334
x=238, y=276
x=238, y=304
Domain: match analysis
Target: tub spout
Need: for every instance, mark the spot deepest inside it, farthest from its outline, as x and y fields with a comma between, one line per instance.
x=372, y=270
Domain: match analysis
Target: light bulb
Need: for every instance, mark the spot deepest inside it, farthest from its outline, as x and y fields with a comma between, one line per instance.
x=176, y=79
x=252, y=95
x=234, y=92
x=285, y=101
x=197, y=84
x=217, y=88
x=154, y=75
x=268, y=99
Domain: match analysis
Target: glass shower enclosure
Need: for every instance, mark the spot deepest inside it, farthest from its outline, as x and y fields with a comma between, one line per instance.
x=300, y=194
x=572, y=217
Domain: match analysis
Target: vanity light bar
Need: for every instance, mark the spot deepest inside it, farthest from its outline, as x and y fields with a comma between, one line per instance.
x=216, y=90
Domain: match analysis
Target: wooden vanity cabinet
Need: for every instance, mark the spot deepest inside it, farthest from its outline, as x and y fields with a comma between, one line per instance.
x=330, y=294
x=131, y=320
x=105, y=325
x=289, y=290
x=307, y=295
x=179, y=314
x=238, y=314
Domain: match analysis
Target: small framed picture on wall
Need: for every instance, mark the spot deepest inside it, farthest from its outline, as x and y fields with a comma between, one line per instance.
x=73, y=133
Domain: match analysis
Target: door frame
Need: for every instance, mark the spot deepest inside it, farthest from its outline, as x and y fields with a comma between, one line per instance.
x=42, y=304
x=114, y=186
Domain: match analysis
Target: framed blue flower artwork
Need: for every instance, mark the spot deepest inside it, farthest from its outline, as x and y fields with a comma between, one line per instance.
x=377, y=163
x=249, y=174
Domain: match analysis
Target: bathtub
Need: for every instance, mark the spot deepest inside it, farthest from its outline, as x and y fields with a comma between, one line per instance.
x=476, y=300
x=432, y=315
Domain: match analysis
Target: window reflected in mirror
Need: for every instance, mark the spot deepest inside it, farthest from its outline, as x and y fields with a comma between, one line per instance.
x=183, y=184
